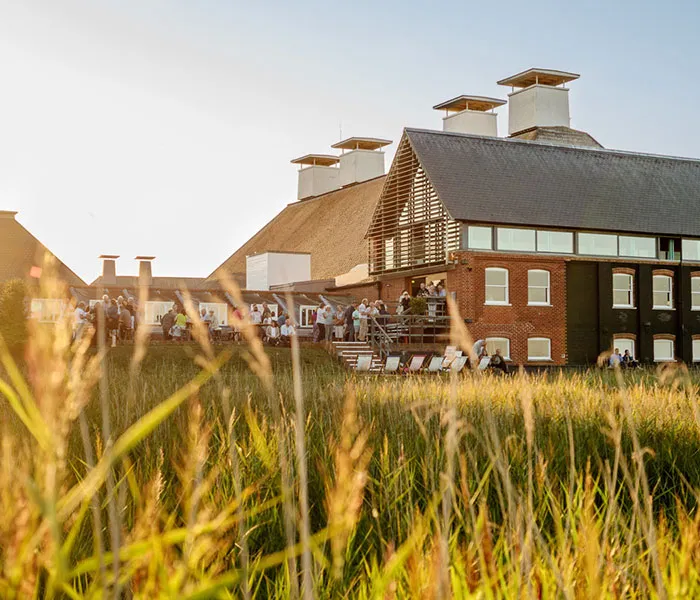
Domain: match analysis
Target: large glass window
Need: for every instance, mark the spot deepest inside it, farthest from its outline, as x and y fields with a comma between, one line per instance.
x=695, y=293
x=664, y=350
x=497, y=343
x=154, y=311
x=623, y=290
x=623, y=344
x=496, y=286
x=696, y=350
x=663, y=291
x=479, y=238
x=597, y=244
x=537, y=287
x=520, y=240
x=555, y=241
x=220, y=310
x=642, y=247
x=539, y=349
x=690, y=249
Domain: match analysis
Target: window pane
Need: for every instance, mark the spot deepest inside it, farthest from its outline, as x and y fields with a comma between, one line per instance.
x=502, y=344
x=496, y=276
x=690, y=249
x=623, y=344
x=538, y=348
x=480, y=238
x=695, y=284
x=555, y=241
x=495, y=294
x=637, y=246
x=663, y=350
x=696, y=350
x=522, y=240
x=661, y=283
x=622, y=289
x=538, y=278
x=621, y=298
x=599, y=244
x=537, y=295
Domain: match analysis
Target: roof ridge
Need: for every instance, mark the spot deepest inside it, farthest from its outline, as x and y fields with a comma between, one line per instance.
x=491, y=139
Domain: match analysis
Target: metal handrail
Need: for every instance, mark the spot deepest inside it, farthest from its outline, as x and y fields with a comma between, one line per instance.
x=384, y=339
x=429, y=329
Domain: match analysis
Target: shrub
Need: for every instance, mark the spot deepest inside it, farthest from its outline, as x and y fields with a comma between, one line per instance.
x=13, y=315
x=419, y=306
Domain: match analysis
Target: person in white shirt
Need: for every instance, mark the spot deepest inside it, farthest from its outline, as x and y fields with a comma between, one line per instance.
x=328, y=322
x=255, y=316
x=287, y=331
x=79, y=319
x=363, y=309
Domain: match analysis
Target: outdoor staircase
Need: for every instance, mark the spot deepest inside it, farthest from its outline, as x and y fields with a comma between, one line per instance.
x=348, y=352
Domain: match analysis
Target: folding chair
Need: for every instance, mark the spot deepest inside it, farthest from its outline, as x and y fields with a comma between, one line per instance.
x=416, y=363
x=392, y=364
x=484, y=363
x=364, y=363
x=458, y=363
x=450, y=357
x=435, y=365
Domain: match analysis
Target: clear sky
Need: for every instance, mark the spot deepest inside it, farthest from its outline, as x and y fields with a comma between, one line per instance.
x=166, y=127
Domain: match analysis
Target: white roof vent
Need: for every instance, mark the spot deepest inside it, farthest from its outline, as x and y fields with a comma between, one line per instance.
x=470, y=114
x=542, y=99
x=318, y=174
x=362, y=159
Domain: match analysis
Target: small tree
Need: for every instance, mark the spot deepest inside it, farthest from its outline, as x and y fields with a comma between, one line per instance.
x=419, y=306
x=13, y=315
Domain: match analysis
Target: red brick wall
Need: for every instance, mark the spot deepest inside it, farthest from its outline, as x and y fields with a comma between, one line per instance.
x=517, y=322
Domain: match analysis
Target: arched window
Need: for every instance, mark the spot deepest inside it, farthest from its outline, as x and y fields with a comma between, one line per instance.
x=623, y=290
x=498, y=343
x=496, y=285
x=538, y=287
x=539, y=348
x=663, y=291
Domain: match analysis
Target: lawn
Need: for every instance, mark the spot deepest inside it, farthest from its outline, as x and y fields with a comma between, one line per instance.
x=222, y=480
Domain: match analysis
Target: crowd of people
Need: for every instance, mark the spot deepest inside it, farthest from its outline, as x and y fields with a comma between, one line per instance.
x=116, y=315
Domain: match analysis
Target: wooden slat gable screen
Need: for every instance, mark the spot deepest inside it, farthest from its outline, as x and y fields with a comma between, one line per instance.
x=410, y=227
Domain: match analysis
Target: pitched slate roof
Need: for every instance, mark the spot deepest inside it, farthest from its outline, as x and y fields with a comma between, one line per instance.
x=20, y=251
x=331, y=227
x=517, y=182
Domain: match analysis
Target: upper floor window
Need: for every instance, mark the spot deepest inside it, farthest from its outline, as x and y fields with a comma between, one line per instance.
x=623, y=290
x=496, y=285
x=663, y=291
x=642, y=247
x=539, y=349
x=690, y=249
x=519, y=240
x=695, y=293
x=479, y=238
x=538, y=287
x=664, y=350
x=561, y=242
x=597, y=244
x=498, y=343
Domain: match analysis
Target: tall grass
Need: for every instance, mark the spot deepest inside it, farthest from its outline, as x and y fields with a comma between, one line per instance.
x=207, y=472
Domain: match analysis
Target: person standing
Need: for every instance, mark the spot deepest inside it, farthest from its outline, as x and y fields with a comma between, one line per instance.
x=328, y=323
x=166, y=323
x=363, y=309
x=349, y=328
x=79, y=320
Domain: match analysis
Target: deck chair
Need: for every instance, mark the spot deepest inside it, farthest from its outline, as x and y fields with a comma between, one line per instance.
x=416, y=363
x=392, y=364
x=458, y=363
x=451, y=353
x=435, y=365
x=484, y=363
x=364, y=362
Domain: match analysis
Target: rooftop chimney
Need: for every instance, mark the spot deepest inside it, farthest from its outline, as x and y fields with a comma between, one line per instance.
x=361, y=159
x=145, y=271
x=318, y=174
x=538, y=102
x=109, y=269
x=470, y=114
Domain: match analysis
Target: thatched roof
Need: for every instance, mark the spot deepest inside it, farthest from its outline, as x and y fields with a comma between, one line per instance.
x=20, y=251
x=331, y=227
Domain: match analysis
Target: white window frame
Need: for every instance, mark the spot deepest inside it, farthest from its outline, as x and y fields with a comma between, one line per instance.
x=625, y=343
x=540, y=339
x=696, y=351
x=506, y=286
x=479, y=229
x=687, y=254
x=629, y=290
x=305, y=315
x=502, y=343
x=548, y=301
x=694, y=296
x=47, y=310
x=669, y=291
x=220, y=310
x=663, y=358
x=153, y=308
